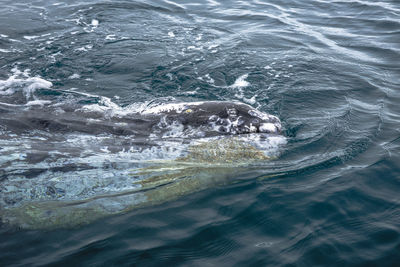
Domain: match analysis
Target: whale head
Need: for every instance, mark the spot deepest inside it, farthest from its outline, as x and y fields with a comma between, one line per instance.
x=216, y=117
x=239, y=118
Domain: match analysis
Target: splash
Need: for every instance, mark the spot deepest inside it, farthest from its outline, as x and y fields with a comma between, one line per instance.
x=23, y=82
x=241, y=82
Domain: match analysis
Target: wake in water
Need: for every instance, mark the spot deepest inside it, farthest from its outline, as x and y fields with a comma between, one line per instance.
x=69, y=158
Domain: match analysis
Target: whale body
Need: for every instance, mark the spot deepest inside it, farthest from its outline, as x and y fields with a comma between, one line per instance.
x=72, y=165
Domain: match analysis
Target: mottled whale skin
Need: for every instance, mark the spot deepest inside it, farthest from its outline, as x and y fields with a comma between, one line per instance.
x=223, y=117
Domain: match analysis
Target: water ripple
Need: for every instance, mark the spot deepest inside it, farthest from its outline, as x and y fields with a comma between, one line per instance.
x=328, y=70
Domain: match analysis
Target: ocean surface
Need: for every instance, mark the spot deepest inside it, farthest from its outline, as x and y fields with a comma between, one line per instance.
x=87, y=180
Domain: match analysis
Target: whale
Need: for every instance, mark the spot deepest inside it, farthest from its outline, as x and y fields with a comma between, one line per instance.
x=78, y=166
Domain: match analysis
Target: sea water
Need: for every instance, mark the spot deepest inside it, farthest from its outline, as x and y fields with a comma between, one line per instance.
x=74, y=74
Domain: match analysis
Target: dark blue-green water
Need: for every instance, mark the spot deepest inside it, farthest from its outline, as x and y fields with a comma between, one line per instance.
x=72, y=73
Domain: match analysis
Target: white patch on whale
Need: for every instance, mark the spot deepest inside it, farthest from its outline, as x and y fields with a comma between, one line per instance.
x=267, y=127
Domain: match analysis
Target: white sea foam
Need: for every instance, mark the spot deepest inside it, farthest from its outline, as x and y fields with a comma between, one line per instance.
x=110, y=109
x=74, y=76
x=95, y=22
x=37, y=102
x=110, y=37
x=194, y=92
x=162, y=108
x=31, y=37
x=178, y=108
x=241, y=82
x=209, y=79
x=213, y=46
x=21, y=81
x=251, y=101
x=84, y=48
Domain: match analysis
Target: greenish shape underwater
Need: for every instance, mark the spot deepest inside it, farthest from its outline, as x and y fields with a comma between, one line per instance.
x=206, y=164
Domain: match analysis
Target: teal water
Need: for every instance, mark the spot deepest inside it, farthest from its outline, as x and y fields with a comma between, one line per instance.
x=72, y=74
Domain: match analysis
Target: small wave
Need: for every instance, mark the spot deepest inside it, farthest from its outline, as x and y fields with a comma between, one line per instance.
x=27, y=37
x=38, y=102
x=241, y=82
x=22, y=81
x=5, y=50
